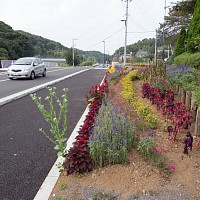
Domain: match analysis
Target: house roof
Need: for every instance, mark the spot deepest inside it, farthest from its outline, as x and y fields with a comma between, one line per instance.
x=142, y=53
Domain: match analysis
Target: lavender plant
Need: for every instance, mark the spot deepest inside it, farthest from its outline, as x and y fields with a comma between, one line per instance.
x=113, y=136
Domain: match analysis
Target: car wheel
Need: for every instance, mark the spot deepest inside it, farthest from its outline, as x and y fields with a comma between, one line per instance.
x=44, y=73
x=10, y=78
x=32, y=76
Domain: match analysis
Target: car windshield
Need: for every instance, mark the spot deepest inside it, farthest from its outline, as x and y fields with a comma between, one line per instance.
x=23, y=62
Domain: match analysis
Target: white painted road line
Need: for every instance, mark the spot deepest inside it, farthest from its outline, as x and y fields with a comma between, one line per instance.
x=23, y=93
x=4, y=80
x=55, y=70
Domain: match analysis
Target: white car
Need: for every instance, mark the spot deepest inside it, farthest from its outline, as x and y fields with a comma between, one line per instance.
x=28, y=67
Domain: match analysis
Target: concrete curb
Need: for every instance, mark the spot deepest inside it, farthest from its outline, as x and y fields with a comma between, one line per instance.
x=18, y=95
x=51, y=179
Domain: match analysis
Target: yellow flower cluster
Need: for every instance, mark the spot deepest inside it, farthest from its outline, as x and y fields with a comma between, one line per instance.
x=111, y=69
x=142, y=110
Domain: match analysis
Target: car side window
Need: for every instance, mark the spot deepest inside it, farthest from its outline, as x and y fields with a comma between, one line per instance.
x=35, y=63
x=39, y=61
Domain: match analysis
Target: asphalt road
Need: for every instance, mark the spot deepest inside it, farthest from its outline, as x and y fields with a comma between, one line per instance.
x=26, y=156
x=8, y=87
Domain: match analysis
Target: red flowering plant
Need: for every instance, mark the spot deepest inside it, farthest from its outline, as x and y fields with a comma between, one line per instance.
x=78, y=159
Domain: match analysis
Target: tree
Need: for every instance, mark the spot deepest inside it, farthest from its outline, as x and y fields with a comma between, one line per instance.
x=69, y=58
x=3, y=54
x=181, y=43
x=180, y=14
x=194, y=29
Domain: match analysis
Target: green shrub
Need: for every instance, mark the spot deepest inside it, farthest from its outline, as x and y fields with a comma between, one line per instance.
x=190, y=59
x=87, y=63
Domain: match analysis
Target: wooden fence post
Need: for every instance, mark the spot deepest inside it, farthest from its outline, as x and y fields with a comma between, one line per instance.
x=188, y=99
x=183, y=95
x=197, y=124
x=193, y=107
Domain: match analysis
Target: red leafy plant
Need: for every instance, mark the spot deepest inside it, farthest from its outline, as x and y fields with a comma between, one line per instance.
x=164, y=99
x=78, y=159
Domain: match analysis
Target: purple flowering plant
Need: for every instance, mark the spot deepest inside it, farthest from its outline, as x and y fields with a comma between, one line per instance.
x=113, y=136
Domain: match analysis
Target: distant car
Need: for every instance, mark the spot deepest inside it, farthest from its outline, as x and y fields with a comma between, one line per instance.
x=28, y=67
x=95, y=65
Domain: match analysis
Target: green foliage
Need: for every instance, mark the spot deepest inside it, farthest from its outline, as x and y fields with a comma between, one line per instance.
x=197, y=96
x=13, y=44
x=62, y=186
x=145, y=147
x=194, y=29
x=190, y=59
x=95, y=56
x=179, y=15
x=87, y=63
x=144, y=45
x=170, y=60
x=44, y=47
x=69, y=58
x=103, y=195
x=57, y=121
x=181, y=43
x=16, y=44
x=3, y=54
x=58, y=198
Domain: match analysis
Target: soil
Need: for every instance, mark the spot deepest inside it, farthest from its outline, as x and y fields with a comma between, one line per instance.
x=139, y=179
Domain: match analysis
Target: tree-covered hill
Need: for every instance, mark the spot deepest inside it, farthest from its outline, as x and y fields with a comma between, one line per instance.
x=143, y=45
x=16, y=44
x=44, y=47
x=13, y=44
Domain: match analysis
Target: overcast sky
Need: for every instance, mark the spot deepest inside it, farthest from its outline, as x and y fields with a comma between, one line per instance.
x=89, y=21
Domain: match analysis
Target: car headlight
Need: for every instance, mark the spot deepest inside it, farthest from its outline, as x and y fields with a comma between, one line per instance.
x=26, y=69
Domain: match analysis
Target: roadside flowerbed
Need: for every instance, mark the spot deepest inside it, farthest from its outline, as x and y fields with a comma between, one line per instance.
x=78, y=158
x=109, y=131
x=139, y=107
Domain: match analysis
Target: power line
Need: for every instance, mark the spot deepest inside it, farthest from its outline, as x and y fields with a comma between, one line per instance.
x=141, y=6
x=143, y=32
x=88, y=32
x=106, y=38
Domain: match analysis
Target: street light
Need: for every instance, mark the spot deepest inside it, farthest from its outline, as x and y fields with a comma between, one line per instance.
x=104, y=53
x=73, y=49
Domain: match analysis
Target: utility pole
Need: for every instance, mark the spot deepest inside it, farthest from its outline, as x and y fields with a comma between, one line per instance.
x=104, y=49
x=155, y=56
x=73, y=50
x=164, y=32
x=126, y=24
x=164, y=24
